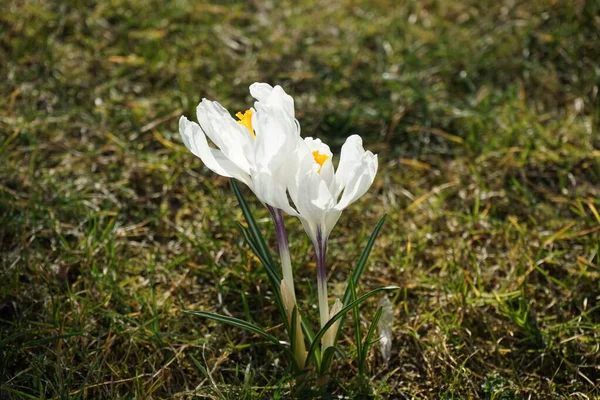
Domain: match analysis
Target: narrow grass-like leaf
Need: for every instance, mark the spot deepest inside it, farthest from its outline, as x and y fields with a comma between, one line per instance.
x=208, y=376
x=362, y=261
x=328, y=357
x=200, y=367
x=293, y=333
x=259, y=247
x=53, y=338
x=310, y=335
x=237, y=323
x=360, y=267
x=246, y=307
x=368, y=343
x=271, y=271
x=357, y=329
x=272, y=274
x=17, y=392
x=252, y=225
x=343, y=311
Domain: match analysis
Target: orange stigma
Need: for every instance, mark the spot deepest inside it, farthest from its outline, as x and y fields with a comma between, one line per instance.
x=245, y=119
x=320, y=159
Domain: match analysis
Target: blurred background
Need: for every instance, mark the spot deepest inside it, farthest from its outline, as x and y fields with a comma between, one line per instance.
x=484, y=114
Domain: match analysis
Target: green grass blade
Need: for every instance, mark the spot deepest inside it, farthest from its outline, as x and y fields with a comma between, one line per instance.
x=310, y=335
x=362, y=261
x=258, y=238
x=293, y=333
x=370, y=333
x=360, y=266
x=198, y=365
x=343, y=311
x=328, y=356
x=272, y=274
x=357, y=329
x=237, y=323
x=17, y=392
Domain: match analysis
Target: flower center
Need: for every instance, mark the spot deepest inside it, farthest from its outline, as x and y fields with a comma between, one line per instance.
x=245, y=119
x=320, y=159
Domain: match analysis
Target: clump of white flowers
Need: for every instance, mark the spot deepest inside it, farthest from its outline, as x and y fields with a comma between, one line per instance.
x=264, y=150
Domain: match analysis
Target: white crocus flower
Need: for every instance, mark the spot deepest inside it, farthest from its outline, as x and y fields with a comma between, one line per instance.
x=257, y=150
x=320, y=194
x=253, y=149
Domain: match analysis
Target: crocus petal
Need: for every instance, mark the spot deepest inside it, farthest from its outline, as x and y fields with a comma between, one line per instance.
x=313, y=200
x=233, y=139
x=274, y=166
x=352, y=151
x=279, y=98
x=359, y=180
x=276, y=138
x=260, y=91
x=325, y=170
x=194, y=139
x=268, y=96
x=271, y=192
x=331, y=218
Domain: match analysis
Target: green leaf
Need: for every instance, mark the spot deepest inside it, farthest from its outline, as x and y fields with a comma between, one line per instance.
x=310, y=335
x=259, y=247
x=328, y=356
x=360, y=267
x=272, y=273
x=199, y=366
x=370, y=333
x=207, y=375
x=17, y=392
x=237, y=323
x=266, y=261
x=357, y=329
x=257, y=237
x=293, y=335
x=362, y=261
x=315, y=343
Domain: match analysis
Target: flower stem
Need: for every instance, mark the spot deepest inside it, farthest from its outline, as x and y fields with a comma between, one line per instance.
x=320, y=252
x=284, y=251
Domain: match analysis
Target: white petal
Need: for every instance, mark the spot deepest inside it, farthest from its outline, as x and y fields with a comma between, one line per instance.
x=316, y=144
x=313, y=202
x=279, y=98
x=326, y=170
x=275, y=166
x=359, y=180
x=234, y=140
x=352, y=151
x=276, y=138
x=331, y=218
x=272, y=97
x=260, y=91
x=194, y=139
x=271, y=192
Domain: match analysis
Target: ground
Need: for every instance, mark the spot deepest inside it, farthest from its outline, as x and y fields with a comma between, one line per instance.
x=484, y=115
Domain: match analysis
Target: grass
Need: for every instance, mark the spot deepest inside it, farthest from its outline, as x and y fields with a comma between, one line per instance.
x=485, y=115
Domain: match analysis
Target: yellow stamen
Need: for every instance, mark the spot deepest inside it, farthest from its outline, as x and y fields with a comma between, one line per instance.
x=246, y=120
x=320, y=159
